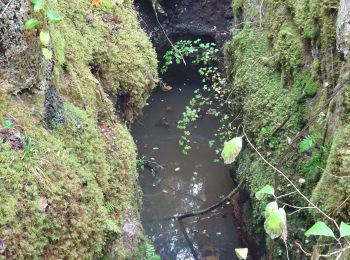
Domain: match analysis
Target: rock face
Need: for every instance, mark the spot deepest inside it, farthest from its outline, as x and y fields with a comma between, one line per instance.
x=343, y=28
x=68, y=190
x=22, y=66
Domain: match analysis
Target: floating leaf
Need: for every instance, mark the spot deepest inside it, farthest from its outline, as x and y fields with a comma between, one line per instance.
x=31, y=23
x=44, y=38
x=319, y=229
x=53, y=16
x=8, y=124
x=344, y=230
x=231, y=150
x=274, y=224
x=242, y=253
x=47, y=53
x=268, y=189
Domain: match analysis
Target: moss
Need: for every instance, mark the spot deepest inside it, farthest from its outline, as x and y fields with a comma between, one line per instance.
x=338, y=164
x=288, y=49
x=237, y=6
x=103, y=50
x=77, y=169
x=67, y=193
x=305, y=82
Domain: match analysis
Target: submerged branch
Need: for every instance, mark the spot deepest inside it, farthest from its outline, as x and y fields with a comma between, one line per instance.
x=188, y=240
x=212, y=207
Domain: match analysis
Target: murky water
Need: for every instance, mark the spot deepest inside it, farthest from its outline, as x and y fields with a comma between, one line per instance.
x=173, y=183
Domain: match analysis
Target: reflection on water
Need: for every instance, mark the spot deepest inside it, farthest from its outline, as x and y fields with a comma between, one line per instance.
x=173, y=183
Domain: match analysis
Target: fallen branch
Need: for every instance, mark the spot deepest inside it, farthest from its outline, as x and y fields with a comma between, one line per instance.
x=211, y=208
x=188, y=240
x=280, y=126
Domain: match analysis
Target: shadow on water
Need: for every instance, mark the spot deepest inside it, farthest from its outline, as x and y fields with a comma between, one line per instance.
x=173, y=183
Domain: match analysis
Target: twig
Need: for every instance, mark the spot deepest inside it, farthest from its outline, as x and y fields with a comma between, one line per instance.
x=291, y=183
x=285, y=195
x=3, y=11
x=168, y=39
x=339, y=252
x=211, y=208
x=302, y=249
x=280, y=126
x=341, y=204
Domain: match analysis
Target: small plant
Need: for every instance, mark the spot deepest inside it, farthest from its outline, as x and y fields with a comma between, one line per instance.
x=150, y=253
x=210, y=99
x=40, y=6
x=307, y=143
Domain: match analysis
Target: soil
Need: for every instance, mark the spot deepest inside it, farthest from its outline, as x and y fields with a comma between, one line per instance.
x=209, y=20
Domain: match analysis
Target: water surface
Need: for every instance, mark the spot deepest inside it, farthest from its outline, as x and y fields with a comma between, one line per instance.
x=174, y=183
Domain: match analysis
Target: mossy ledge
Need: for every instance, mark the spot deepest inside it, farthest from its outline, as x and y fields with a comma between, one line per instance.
x=68, y=163
x=281, y=68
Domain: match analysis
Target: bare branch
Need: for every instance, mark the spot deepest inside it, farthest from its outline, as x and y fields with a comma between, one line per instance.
x=211, y=208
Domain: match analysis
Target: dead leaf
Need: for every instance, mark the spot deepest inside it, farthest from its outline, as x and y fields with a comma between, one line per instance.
x=96, y=3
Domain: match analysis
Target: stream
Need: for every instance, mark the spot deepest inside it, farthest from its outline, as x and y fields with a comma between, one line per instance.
x=174, y=183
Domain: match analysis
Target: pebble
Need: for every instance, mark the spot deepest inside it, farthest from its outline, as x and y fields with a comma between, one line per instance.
x=177, y=169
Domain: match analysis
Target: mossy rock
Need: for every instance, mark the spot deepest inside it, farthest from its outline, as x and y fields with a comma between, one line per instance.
x=66, y=192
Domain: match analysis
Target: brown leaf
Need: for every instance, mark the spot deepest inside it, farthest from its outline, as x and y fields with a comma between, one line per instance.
x=96, y=3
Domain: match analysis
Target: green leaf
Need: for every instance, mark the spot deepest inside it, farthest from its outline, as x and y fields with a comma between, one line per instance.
x=231, y=150
x=53, y=16
x=271, y=207
x=44, y=38
x=307, y=143
x=31, y=23
x=47, y=53
x=319, y=229
x=119, y=2
x=274, y=224
x=268, y=189
x=344, y=230
x=38, y=5
x=8, y=124
x=242, y=253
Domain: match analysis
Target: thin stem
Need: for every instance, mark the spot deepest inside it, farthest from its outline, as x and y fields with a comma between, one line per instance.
x=285, y=195
x=290, y=182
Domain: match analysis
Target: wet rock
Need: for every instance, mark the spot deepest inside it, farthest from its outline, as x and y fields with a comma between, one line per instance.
x=54, y=108
x=22, y=66
x=343, y=28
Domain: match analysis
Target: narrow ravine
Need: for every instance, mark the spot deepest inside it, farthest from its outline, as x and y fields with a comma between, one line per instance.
x=174, y=183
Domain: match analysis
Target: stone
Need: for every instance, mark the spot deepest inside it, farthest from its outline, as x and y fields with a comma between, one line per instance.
x=343, y=28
